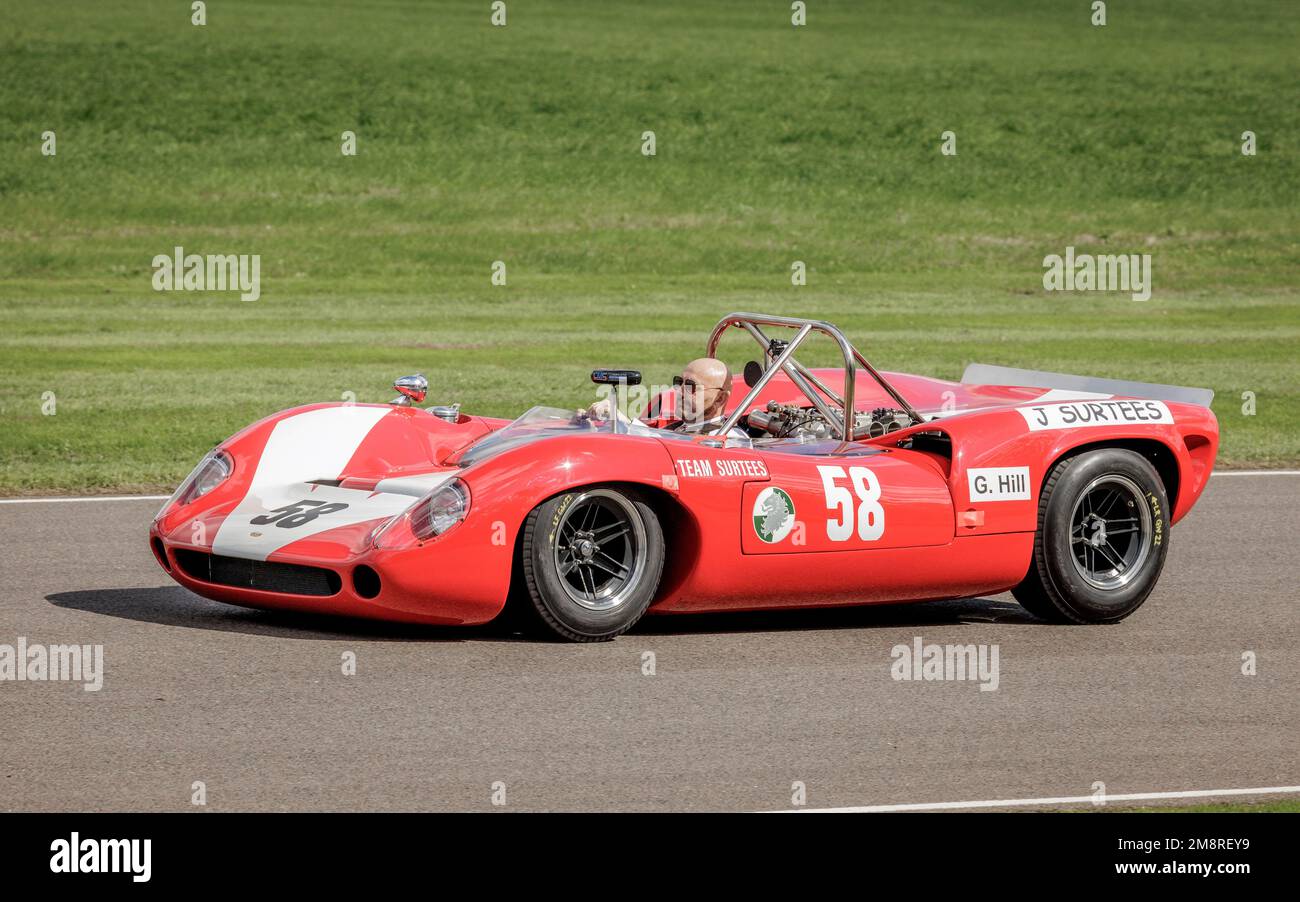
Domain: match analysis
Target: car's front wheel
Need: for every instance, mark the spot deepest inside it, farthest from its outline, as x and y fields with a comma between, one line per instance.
x=591, y=561
x=1103, y=532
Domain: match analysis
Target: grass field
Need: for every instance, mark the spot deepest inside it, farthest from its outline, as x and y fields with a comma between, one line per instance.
x=1275, y=806
x=523, y=144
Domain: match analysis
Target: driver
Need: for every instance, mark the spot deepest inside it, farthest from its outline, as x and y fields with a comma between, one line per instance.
x=702, y=392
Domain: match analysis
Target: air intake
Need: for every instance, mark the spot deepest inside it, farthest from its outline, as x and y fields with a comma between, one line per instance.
x=263, y=576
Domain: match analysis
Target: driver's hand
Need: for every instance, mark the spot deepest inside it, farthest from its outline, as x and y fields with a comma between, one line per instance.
x=598, y=411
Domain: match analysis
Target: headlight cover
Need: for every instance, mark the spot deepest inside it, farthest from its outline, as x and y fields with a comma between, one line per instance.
x=428, y=518
x=215, y=467
x=440, y=510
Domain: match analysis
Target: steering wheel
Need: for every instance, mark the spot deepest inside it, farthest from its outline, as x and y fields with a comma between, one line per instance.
x=580, y=418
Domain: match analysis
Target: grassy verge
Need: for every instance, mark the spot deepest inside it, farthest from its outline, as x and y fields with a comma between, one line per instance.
x=1275, y=806
x=523, y=144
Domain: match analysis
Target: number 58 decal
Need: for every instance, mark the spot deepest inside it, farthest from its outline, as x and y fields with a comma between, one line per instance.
x=291, y=516
x=869, y=515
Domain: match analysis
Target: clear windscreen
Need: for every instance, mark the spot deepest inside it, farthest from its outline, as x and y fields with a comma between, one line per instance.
x=532, y=425
x=547, y=422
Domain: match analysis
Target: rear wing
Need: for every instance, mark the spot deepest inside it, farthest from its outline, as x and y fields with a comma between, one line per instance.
x=987, y=374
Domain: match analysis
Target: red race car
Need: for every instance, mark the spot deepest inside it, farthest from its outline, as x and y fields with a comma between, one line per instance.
x=826, y=486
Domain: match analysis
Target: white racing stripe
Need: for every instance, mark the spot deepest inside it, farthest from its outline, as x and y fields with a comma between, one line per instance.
x=270, y=518
x=314, y=445
x=1061, y=800
x=281, y=507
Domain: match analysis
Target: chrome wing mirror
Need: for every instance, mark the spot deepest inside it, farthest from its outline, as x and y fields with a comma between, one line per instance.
x=410, y=388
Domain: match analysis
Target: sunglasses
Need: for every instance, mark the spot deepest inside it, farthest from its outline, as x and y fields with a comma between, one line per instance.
x=691, y=385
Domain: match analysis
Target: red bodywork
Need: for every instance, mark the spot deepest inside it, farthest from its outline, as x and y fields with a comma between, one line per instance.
x=934, y=541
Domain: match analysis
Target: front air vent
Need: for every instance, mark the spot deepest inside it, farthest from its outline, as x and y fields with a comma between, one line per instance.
x=160, y=552
x=263, y=576
x=365, y=581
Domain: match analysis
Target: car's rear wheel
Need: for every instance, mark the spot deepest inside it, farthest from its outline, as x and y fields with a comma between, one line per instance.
x=591, y=562
x=1103, y=532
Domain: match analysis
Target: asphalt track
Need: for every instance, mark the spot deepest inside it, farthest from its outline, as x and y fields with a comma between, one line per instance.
x=256, y=705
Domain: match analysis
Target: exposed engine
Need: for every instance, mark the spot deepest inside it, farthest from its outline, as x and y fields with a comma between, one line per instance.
x=808, y=424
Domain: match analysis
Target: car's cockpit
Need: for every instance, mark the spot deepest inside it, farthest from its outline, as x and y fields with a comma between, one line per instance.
x=814, y=424
x=817, y=418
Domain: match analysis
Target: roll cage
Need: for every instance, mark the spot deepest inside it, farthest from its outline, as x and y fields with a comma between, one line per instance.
x=779, y=357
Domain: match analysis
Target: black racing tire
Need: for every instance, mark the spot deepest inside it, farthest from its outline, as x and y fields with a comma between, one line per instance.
x=1101, y=541
x=591, y=562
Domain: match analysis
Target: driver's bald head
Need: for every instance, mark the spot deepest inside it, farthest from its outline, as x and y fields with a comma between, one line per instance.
x=709, y=372
x=711, y=379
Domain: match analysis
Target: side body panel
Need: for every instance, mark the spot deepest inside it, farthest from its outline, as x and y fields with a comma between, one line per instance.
x=832, y=550
x=999, y=463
